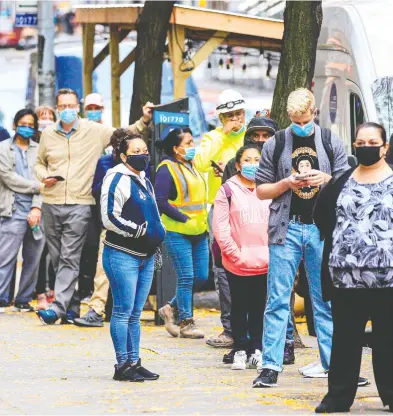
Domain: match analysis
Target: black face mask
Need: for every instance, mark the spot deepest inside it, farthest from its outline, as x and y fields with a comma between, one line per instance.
x=138, y=162
x=368, y=155
x=259, y=145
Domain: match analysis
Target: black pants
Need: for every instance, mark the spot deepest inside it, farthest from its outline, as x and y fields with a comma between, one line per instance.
x=43, y=271
x=248, y=301
x=351, y=310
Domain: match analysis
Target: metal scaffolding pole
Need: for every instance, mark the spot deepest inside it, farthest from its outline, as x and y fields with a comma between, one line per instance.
x=46, y=53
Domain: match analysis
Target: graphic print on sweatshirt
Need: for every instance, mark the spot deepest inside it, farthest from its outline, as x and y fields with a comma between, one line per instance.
x=304, y=159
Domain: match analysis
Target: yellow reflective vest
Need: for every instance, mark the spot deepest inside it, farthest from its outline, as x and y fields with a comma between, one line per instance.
x=191, y=199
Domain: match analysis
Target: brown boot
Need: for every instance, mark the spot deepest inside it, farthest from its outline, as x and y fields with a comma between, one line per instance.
x=188, y=329
x=167, y=314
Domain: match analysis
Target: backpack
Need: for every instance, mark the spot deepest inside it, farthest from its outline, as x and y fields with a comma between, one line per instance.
x=326, y=141
x=216, y=251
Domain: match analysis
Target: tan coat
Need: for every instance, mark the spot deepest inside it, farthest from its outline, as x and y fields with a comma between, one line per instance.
x=74, y=159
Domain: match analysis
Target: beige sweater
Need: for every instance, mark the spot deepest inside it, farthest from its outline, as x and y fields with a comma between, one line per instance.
x=74, y=159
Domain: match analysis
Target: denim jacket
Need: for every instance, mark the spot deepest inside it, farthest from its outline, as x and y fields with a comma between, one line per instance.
x=11, y=183
x=268, y=173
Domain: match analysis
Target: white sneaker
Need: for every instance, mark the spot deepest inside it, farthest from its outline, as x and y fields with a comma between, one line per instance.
x=316, y=371
x=255, y=360
x=239, y=360
x=308, y=367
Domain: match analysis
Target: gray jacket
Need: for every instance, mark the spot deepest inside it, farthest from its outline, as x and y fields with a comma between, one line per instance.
x=280, y=207
x=12, y=183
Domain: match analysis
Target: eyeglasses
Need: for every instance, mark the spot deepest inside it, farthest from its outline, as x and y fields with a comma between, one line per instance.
x=67, y=106
x=263, y=113
x=230, y=104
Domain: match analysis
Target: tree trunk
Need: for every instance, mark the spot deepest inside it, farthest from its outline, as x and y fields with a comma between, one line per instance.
x=302, y=25
x=152, y=29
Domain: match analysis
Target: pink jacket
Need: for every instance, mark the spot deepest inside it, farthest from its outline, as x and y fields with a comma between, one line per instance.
x=241, y=230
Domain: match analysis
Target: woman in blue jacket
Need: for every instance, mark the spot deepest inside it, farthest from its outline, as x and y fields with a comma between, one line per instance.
x=134, y=231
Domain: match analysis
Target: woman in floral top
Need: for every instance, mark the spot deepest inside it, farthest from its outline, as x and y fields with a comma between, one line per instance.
x=355, y=216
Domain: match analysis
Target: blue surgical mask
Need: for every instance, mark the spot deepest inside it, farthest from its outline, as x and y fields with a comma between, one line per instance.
x=236, y=133
x=302, y=131
x=249, y=171
x=25, y=131
x=68, y=115
x=94, y=115
x=190, y=153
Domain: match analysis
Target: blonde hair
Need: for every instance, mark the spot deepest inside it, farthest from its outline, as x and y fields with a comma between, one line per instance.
x=300, y=101
x=45, y=109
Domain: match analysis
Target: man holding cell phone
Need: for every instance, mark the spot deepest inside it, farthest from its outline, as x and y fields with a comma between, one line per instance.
x=292, y=177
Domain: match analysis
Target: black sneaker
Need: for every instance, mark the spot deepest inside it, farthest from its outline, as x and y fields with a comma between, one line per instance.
x=289, y=353
x=90, y=319
x=127, y=372
x=23, y=307
x=363, y=382
x=267, y=378
x=228, y=358
x=145, y=373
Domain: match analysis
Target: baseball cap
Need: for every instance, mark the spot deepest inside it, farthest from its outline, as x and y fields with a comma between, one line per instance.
x=262, y=123
x=94, y=99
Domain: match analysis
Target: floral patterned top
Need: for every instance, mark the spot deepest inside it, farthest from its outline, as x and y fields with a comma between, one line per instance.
x=362, y=255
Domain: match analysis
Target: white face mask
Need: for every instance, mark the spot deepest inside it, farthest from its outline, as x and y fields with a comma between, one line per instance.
x=43, y=124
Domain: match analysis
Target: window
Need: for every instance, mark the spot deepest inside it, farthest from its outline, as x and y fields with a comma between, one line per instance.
x=356, y=114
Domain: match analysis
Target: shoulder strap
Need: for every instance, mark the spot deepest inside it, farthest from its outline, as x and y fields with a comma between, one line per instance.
x=280, y=143
x=228, y=192
x=326, y=135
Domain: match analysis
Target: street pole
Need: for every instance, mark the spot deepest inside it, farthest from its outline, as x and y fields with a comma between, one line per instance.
x=46, y=53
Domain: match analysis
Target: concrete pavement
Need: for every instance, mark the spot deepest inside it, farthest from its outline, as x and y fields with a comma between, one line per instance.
x=66, y=370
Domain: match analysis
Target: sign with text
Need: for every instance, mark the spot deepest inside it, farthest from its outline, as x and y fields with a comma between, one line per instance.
x=165, y=117
x=26, y=13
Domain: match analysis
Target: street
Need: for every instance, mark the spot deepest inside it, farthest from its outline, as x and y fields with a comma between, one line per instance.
x=68, y=370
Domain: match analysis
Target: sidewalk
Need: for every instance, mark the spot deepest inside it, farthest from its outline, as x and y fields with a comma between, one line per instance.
x=66, y=370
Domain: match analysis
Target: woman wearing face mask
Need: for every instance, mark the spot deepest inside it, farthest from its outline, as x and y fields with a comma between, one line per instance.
x=134, y=231
x=354, y=214
x=240, y=228
x=20, y=210
x=181, y=197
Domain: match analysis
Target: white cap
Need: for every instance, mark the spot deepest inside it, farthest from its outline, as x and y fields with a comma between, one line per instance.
x=230, y=100
x=94, y=99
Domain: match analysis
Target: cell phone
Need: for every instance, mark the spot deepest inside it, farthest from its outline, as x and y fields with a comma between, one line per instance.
x=300, y=177
x=58, y=178
x=214, y=165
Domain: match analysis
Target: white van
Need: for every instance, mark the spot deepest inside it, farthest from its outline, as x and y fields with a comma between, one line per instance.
x=353, y=79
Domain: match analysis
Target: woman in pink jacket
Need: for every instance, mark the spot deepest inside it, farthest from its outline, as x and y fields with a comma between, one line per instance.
x=240, y=223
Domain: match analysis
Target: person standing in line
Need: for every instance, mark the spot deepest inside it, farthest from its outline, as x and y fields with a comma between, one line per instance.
x=240, y=228
x=259, y=130
x=20, y=211
x=181, y=197
x=219, y=146
x=134, y=232
x=292, y=232
x=94, y=107
x=354, y=215
x=67, y=156
x=46, y=117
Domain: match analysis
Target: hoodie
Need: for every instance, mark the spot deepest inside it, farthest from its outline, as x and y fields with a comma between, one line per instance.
x=240, y=229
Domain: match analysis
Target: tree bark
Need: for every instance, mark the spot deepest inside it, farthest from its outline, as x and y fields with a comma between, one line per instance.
x=152, y=29
x=302, y=25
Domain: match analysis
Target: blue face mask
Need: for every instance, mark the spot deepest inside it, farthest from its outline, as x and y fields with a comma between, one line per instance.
x=94, y=115
x=25, y=132
x=236, y=133
x=249, y=171
x=302, y=131
x=190, y=153
x=68, y=115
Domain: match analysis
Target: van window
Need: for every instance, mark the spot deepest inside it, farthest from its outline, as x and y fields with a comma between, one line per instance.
x=357, y=114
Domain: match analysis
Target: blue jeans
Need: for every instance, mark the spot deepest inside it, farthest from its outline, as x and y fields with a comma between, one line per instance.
x=190, y=258
x=303, y=240
x=130, y=279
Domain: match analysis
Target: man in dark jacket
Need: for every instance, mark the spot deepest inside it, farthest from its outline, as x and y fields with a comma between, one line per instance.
x=259, y=130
